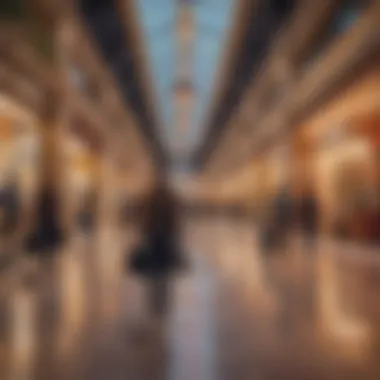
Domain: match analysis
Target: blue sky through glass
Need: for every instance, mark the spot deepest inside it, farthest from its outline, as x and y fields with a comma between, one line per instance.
x=158, y=19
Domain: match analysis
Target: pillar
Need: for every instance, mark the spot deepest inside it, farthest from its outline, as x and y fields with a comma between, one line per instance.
x=371, y=130
x=106, y=205
x=47, y=234
x=369, y=127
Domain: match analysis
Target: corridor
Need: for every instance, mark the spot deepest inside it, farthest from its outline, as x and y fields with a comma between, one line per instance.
x=189, y=189
x=235, y=314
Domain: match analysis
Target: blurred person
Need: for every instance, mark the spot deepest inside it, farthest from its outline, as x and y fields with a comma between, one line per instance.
x=364, y=223
x=373, y=216
x=283, y=209
x=309, y=217
x=9, y=206
x=376, y=225
x=277, y=222
x=86, y=217
x=266, y=230
x=376, y=215
x=158, y=256
x=47, y=233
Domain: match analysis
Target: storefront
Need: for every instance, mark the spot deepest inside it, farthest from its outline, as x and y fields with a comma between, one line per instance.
x=338, y=158
x=80, y=180
x=19, y=163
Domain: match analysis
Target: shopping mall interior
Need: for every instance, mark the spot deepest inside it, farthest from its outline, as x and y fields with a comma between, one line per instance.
x=241, y=136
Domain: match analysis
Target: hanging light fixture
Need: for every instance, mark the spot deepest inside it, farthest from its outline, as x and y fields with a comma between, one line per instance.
x=183, y=92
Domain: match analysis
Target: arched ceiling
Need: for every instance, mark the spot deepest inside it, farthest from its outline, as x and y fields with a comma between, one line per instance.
x=183, y=43
x=105, y=22
x=159, y=22
x=213, y=18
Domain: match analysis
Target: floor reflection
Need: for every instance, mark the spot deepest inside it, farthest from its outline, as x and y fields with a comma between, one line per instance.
x=236, y=314
x=22, y=331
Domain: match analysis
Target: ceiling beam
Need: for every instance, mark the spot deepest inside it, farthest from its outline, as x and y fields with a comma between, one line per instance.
x=139, y=48
x=229, y=54
x=340, y=61
x=22, y=65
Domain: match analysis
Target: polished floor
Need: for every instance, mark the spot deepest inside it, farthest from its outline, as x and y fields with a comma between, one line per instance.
x=235, y=314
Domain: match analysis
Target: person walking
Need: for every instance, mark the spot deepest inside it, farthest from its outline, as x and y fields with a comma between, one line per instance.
x=158, y=256
x=309, y=218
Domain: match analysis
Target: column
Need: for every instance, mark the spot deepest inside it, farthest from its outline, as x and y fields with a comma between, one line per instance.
x=369, y=127
x=106, y=205
x=47, y=231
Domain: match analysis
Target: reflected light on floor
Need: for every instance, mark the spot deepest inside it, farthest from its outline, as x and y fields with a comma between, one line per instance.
x=351, y=334
x=23, y=338
x=73, y=300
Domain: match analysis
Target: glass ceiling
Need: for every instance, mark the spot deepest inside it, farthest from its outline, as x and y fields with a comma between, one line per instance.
x=159, y=20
